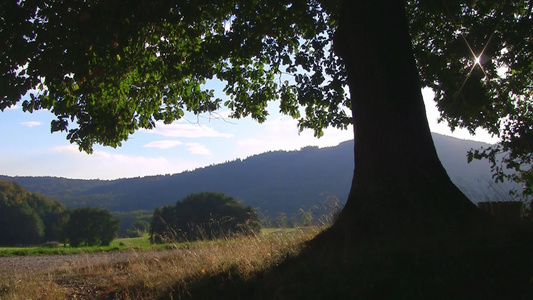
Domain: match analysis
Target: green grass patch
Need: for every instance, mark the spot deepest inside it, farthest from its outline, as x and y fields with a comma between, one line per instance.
x=124, y=244
x=142, y=242
x=121, y=244
x=37, y=250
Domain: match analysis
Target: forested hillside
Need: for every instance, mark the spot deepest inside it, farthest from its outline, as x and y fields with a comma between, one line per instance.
x=273, y=182
x=28, y=218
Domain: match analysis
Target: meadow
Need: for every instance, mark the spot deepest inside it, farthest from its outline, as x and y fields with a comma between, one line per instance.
x=295, y=264
x=120, y=244
x=171, y=274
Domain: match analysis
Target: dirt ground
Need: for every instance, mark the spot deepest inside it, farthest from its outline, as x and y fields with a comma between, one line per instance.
x=47, y=263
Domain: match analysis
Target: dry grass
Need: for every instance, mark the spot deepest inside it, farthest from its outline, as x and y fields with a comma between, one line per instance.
x=164, y=274
x=15, y=287
x=462, y=267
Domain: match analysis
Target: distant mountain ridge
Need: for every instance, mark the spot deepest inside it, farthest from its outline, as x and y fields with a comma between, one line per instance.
x=274, y=182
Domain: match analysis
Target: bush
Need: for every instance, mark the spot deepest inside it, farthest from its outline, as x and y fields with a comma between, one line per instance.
x=203, y=216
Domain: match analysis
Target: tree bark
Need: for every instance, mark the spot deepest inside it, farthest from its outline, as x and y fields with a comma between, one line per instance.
x=399, y=184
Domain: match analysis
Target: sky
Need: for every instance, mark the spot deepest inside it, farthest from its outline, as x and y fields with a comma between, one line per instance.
x=29, y=149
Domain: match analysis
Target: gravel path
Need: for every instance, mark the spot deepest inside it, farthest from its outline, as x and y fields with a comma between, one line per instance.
x=48, y=263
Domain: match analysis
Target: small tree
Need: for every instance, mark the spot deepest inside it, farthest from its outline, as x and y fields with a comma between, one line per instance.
x=205, y=215
x=91, y=227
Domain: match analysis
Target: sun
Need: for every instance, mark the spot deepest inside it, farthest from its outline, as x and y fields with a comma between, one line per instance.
x=477, y=60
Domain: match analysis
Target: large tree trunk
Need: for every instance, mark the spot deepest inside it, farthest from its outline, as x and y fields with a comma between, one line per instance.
x=399, y=184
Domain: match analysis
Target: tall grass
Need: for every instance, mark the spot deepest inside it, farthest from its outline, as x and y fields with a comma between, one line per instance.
x=161, y=274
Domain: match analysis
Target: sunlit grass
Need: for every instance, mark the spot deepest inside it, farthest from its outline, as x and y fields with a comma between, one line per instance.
x=144, y=276
x=121, y=244
x=142, y=242
x=271, y=265
x=15, y=287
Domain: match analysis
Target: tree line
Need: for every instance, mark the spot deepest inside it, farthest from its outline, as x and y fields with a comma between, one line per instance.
x=29, y=218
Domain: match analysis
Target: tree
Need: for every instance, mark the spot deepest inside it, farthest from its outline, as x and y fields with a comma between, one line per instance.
x=52, y=213
x=203, y=216
x=19, y=225
x=27, y=218
x=91, y=227
x=113, y=68
x=480, y=68
x=161, y=227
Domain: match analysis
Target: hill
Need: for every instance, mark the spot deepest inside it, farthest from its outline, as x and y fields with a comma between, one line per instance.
x=274, y=182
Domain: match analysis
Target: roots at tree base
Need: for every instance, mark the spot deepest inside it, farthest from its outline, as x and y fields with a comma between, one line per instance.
x=423, y=206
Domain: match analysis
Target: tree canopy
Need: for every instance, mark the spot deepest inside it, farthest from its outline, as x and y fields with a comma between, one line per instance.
x=109, y=68
x=478, y=58
x=118, y=66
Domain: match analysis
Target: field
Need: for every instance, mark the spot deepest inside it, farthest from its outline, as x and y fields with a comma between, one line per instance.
x=121, y=244
x=277, y=264
x=133, y=269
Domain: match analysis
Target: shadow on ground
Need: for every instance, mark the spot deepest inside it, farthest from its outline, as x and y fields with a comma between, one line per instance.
x=462, y=266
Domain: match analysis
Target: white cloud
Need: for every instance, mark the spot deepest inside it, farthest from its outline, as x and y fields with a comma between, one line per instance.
x=251, y=142
x=31, y=124
x=163, y=144
x=187, y=131
x=220, y=115
x=198, y=149
x=68, y=149
x=282, y=134
x=104, y=155
x=109, y=165
x=135, y=161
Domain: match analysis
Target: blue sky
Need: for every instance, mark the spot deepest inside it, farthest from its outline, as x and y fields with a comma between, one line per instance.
x=29, y=149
